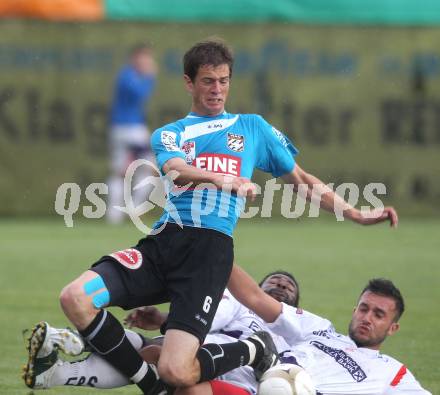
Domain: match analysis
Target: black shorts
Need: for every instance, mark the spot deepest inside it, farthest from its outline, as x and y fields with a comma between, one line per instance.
x=188, y=267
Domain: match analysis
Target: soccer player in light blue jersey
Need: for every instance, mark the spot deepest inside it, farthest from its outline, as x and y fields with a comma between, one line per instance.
x=187, y=260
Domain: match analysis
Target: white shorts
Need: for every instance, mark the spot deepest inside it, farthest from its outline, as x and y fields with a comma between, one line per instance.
x=128, y=143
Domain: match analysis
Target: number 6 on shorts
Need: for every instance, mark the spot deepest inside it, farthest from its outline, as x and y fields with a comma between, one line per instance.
x=207, y=304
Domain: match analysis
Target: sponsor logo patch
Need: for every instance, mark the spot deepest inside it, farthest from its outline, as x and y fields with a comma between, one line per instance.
x=169, y=140
x=219, y=163
x=189, y=149
x=235, y=142
x=342, y=359
x=130, y=258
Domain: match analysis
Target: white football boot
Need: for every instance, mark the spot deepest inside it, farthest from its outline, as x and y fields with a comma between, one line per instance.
x=43, y=345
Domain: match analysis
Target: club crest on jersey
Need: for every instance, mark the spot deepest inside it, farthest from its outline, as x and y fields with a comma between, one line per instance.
x=235, y=142
x=130, y=258
x=189, y=149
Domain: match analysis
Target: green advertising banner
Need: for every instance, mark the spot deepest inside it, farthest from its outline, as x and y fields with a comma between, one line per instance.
x=361, y=104
x=389, y=12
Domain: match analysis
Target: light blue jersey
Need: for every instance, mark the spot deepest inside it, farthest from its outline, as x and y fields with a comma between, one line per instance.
x=230, y=144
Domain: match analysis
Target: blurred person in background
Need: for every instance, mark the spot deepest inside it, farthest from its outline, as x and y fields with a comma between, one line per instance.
x=129, y=134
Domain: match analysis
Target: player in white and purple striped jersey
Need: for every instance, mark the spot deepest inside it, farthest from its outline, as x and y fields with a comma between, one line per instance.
x=338, y=364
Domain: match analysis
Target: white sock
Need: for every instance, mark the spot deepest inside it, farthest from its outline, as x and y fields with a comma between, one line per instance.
x=134, y=338
x=91, y=372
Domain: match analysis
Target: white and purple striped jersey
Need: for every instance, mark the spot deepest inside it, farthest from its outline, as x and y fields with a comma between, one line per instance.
x=229, y=144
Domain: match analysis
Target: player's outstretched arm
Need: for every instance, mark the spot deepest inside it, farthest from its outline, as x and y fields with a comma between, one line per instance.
x=184, y=174
x=320, y=193
x=248, y=293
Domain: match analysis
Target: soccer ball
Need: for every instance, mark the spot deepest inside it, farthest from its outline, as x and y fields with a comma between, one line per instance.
x=286, y=379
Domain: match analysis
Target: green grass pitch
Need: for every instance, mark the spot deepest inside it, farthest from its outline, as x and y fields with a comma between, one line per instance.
x=331, y=260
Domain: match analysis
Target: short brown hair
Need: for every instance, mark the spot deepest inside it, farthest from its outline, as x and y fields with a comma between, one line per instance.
x=209, y=52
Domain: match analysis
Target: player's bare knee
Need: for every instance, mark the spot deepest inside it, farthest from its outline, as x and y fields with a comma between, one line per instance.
x=72, y=298
x=175, y=374
x=81, y=300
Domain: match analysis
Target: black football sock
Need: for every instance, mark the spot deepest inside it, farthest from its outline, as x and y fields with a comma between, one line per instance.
x=216, y=359
x=106, y=335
